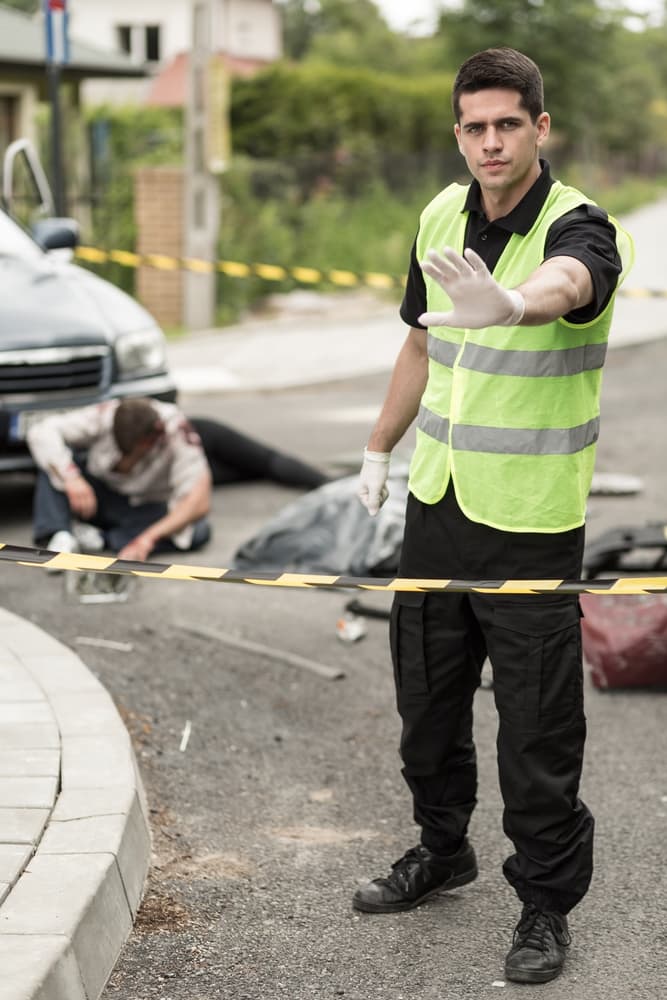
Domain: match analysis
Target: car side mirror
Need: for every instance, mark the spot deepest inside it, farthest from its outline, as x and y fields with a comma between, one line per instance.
x=56, y=234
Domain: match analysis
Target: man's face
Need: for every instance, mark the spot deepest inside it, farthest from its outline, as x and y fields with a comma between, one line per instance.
x=500, y=142
x=144, y=446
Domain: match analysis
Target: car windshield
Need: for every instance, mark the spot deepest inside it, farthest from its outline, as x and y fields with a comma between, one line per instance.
x=14, y=242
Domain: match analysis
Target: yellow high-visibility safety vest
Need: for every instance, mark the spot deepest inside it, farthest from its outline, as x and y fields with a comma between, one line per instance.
x=511, y=414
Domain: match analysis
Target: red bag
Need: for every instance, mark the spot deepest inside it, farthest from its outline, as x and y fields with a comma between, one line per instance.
x=625, y=639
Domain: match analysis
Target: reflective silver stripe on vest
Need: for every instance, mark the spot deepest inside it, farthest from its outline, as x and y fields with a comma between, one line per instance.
x=533, y=364
x=443, y=351
x=510, y=440
x=526, y=441
x=433, y=425
x=529, y=364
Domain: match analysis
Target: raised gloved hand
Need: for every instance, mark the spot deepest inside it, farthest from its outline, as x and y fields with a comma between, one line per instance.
x=373, y=480
x=477, y=297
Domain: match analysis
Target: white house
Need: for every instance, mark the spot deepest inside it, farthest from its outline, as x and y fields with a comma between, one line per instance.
x=248, y=33
x=23, y=72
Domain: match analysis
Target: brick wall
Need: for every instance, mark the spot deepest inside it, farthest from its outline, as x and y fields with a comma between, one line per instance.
x=158, y=208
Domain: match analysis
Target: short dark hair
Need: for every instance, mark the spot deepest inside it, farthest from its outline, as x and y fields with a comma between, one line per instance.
x=133, y=421
x=505, y=69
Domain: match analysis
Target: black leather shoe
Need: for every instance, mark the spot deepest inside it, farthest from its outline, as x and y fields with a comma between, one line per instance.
x=538, y=950
x=416, y=876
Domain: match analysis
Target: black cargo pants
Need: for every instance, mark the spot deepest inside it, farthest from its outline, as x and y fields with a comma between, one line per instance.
x=439, y=643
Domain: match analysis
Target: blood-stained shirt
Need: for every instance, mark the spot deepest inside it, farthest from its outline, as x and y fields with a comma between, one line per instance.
x=166, y=473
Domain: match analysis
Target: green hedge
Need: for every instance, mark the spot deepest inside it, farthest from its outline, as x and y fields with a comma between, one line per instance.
x=288, y=112
x=328, y=230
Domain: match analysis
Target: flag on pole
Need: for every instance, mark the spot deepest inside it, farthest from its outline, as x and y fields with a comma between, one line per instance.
x=56, y=20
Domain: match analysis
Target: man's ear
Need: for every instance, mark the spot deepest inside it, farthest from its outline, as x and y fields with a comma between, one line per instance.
x=543, y=124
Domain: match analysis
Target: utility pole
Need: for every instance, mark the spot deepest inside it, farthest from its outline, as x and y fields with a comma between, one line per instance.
x=206, y=155
x=57, y=55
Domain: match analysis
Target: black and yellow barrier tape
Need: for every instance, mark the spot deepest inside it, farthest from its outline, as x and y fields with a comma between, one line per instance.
x=239, y=269
x=275, y=272
x=81, y=563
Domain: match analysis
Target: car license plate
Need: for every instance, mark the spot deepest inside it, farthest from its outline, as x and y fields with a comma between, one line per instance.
x=19, y=423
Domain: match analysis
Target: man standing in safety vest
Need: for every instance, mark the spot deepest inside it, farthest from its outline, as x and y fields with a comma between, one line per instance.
x=502, y=366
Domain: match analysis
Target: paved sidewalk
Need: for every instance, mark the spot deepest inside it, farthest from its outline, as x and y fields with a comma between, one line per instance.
x=74, y=835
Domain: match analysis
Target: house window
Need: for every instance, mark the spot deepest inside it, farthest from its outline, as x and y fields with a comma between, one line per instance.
x=124, y=32
x=152, y=43
x=140, y=41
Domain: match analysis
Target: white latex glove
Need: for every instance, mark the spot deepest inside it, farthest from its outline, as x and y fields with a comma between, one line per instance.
x=373, y=480
x=477, y=297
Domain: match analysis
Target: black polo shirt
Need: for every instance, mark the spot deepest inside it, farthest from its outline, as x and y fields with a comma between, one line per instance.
x=584, y=233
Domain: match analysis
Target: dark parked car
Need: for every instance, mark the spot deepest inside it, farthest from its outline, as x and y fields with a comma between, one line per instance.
x=67, y=337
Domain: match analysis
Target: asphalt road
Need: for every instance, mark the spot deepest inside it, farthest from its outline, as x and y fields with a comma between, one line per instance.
x=288, y=793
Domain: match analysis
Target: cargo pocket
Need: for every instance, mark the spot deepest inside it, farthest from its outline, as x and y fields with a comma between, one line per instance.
x=536, y=655
x=406, y=636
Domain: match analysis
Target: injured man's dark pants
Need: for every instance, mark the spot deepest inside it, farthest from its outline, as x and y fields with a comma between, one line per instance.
x=237, y=458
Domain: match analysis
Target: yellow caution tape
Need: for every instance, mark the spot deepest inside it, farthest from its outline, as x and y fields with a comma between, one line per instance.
x=274, y=272
x=201, y=266
x=270, y=272
x=161, y=262
x=126, y=258
x=240, y=269
x=234, y=269
x=307, y=275
x=81, y=563
x=347, y=278
x=92, y=254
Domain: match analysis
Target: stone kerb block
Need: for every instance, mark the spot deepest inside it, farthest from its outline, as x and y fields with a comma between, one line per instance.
x=80, y=897
x=80, y=806
x=39, y=967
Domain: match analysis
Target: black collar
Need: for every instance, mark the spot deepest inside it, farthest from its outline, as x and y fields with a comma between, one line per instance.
x=522, y=218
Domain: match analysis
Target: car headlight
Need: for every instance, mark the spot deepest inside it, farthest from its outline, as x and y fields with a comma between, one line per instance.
x=142, y=352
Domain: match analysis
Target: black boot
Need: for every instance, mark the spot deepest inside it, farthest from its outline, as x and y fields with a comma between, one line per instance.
x=414, y=877
x=538, y=950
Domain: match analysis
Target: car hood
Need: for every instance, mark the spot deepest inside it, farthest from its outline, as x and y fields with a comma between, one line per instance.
x=46, y=303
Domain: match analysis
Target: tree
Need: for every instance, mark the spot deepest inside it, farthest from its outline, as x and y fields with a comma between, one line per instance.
x=573, y=42
x=343, y=32
x=635, y=129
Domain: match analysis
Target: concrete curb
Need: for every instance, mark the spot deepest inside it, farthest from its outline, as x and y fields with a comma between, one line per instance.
x=75, y=840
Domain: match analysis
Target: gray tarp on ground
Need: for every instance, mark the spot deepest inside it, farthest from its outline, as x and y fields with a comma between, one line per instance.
x=329, y=531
